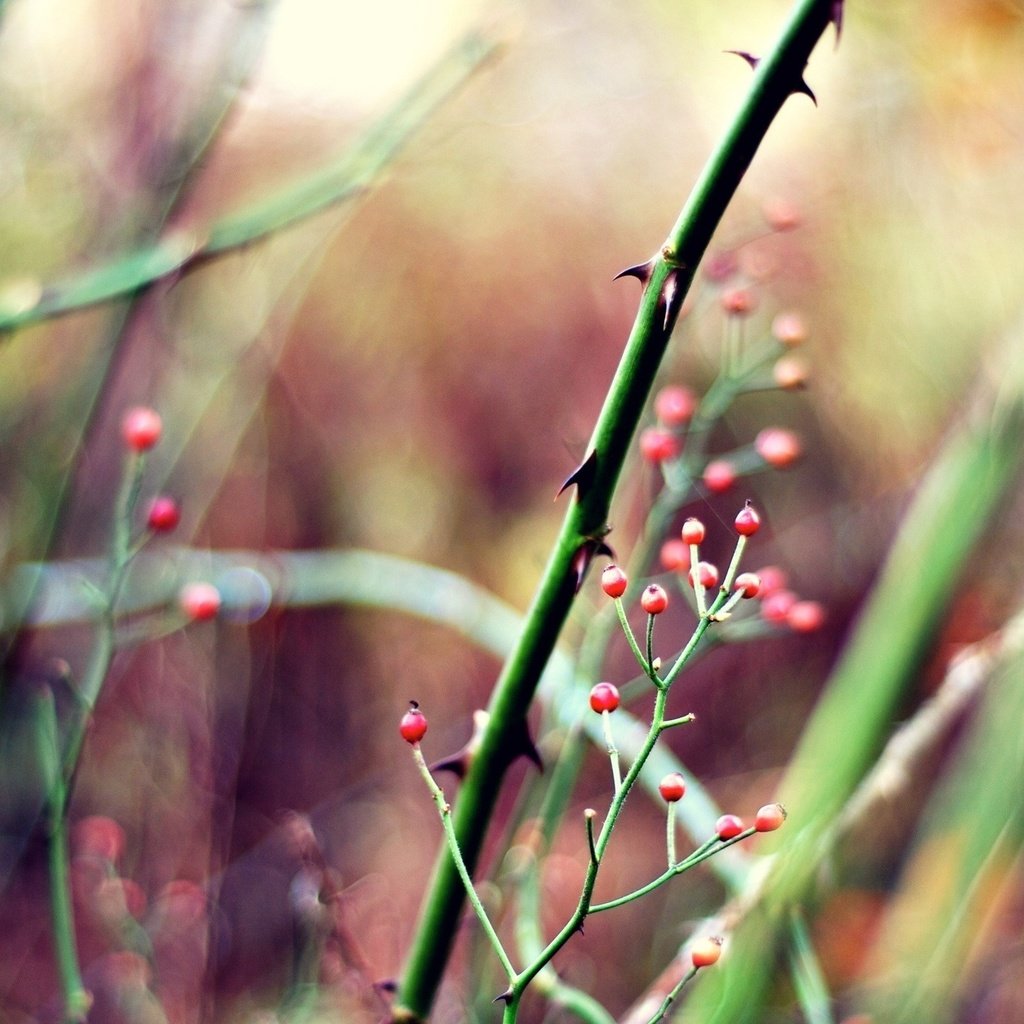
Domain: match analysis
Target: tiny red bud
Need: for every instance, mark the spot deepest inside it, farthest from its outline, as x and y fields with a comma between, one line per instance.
x=604, y=697
x=693, y=531
x=708, y=575
x=654, y=600
x=614, y=581
x=658, y=445
x=789, y=329
x=199, y=601
x=413, y=726
x=164, y=514
x=141, y=428
x=672, y=787
x=805, y=616
x=738, y=301
x=790, y=373
x=705, y=952
x=778, y=447
x=775, y=607
x=749, y=583
x=674, y=555
x=770, y=817
x=675, y=405
x=729, y=826
x=719, y=476
x=772, y=578
x=747, y=522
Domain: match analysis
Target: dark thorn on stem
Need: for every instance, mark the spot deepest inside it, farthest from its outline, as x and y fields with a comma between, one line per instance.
x=748, y=57
x=805, y=89
x=837, y=17
x=505, y=997
x=642, y=272
x=585, y=555
x=459, y=762
x=522, y=745
x=671, y=297
x=582, y=476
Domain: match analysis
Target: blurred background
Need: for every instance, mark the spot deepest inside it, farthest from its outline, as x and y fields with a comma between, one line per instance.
x=413, y=370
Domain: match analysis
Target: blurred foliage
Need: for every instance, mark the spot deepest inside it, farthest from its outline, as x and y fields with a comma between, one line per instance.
x=414, y=373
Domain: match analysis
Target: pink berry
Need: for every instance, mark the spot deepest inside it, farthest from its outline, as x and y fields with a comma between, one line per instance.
x=658, y=445
x=720, y=266
x=614, y=581
x=805, y=616
x=789, y=329
x=705, y=952
x=199, y=601
x=790, y=373
x=781, y=215
x=749, y=583
x=141, y=428
x=604, y=697
x=729, y=826
x=654, y=600
x=693, y=531
x=719, y=476
x=672, y=787
x=413, y=726
x=674, y=555
x=675, y=405
x=708, y=575
x=770, y=817
x=738, y=301
x=772, y=578
x=164, y=514
x=775, y=607
x=778, y=447
x=747, y=522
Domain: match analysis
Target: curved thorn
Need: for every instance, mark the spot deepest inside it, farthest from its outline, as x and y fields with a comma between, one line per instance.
x=582, y=476
x=748, y=57
x=642, y=272
x=805, y=89
x=837, y=17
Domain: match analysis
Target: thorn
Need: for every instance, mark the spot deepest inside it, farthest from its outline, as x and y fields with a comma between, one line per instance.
x=582, y=476
x=585, y=555
x=672, y=298
x=459, y=762
x=804, y=88
x=748, y=57
x=642, y=272
x=505, y=997
x=837, y=17
x=523, y=746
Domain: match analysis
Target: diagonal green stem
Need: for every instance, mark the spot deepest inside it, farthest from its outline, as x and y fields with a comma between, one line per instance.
x=586, y=519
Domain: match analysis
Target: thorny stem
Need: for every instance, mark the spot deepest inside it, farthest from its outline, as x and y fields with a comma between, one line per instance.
x=671, y=273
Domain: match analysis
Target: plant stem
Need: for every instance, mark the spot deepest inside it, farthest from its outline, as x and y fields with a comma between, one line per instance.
x=670, y=275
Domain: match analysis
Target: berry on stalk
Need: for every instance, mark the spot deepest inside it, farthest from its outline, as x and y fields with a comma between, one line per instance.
x=749, y=583
x=707, y=574
x=614, y=581
x=778, y=447
x=805, y=616
x=747, y=522
x=654, y=600
x=705, y=952
x=770, y=817
x=164, y=514
x=675, y=405
x=413, y=726
x=729, y=826
x=719, y=476
x=693, y=531
x=604, y=697
x=658, y=445
x=672, y=787
x=674, y=555
x=141, y=428
x=199, y=601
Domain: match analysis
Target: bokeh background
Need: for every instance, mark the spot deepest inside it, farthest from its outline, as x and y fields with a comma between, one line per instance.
x=413, y=371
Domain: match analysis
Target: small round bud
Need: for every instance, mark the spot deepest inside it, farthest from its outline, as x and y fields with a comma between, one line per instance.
x=413, y=726
x=708, y=575
x=658, y=445
x=674, y=405
x=199, y=601
x=747, y=521
x=778, y=447
x=770, y=817
x=672, y=787
x=614, y=581
x=772, y=578
x=141, y=428
x=775, y=607
x=790, y=373
x=789, y=329
x=654, y=600
x=805, y=616
x=705, y=952
x=674, y=555
x=164, y=514
x=749, y=583
x=604, y=697
x=719, y=476
x=729, y=826
x=739, y=301
x=780, y=214
x=693, y=531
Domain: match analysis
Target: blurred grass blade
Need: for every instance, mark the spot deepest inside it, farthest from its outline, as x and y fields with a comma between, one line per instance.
x=808, y=977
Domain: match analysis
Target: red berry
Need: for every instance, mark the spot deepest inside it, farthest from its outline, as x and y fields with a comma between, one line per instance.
x=770, y=817
x=790, y=373
x=772, y=578
x=805, y=616
x=675, y=405
x=719, y=476
x=654, y=600
x=790, y=329
x=729, y=826
x=604, y=697
x=164, y=514
x=141, y=428
x=658, y=445
x=778, y=447
x=693, y=531
x=747, y=522
x=738, y=301
x=413, y=726
x=749, y=583
x=199, y=601
x=708, y=575
x=98, y=836
x=672, y=787
x=775, y=607
x=674, y=555
x=705, y=952
x=614, y=581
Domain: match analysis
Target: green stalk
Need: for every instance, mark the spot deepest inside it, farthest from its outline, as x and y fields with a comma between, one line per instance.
x=670, y=275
